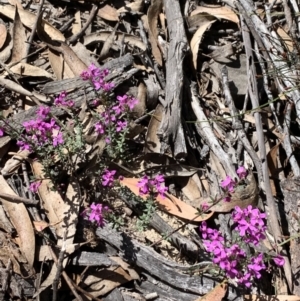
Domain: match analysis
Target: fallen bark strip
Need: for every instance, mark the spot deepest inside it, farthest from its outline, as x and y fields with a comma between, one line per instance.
x=164, y=291
x=157, y=265
x=253, y=93
x=171, y=130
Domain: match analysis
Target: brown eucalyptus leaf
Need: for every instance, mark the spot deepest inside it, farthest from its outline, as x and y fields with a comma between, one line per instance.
x=13, y=86
x=136, y=6
x=220, y=12
x=216, y=294
x=70, y=57
x=196, y=39
x=15, y=162
x=242, y=197
x=3, y=35
x=152, y=144
x=19, y=217
x=76, y=27
x=170, y=204
x=56, y=62
x=29, y=19
x=30, y=70
x=102, y=36
x=19, y=39
x=285, y=38
x=108, y=13
x=152, y=14
x=63, y=213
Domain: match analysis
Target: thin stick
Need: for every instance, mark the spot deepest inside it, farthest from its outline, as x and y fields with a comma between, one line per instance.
x=76, y=36
x=17, y=199
x=33, y=30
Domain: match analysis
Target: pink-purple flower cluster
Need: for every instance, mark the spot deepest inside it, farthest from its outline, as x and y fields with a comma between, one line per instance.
x=61, y=100
x=250, y=224
x=41, y=131
x=96, y=214
x=230, y=256
x=108, y=177
x=34, y=186
x=156, y=185
x=111, y=119
x=228, y=184
x=97, y=77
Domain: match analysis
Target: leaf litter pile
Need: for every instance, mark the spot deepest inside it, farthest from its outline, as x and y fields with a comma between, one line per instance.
x=206, y=88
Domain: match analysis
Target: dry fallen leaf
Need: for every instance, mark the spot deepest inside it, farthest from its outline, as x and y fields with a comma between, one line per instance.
x=29, y=19
x=3, y=35
x=62, y=214
x=152, y=14
x=9, y=84
x=220, y=12
x=136, y=6
x=216, y=294
x=19, y=217
x=196, y=39
x=30, y=70
x=169, y=204
x=102, y=36
x=285, y=38
x=19, y=40
x=108, y=13
x=152, y=144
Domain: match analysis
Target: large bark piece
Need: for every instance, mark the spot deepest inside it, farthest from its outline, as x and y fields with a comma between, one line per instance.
x=171, y=131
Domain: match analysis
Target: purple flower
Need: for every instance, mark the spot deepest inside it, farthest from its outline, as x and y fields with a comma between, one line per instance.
x=250, y=223
x=96, y=214
x=279, y=260
x=245, y=280
x=228, y=184
x=58, y=139
x=43, y=112
x=99, y=128
x=61, y=99
x=256, y=266
x=108, y=177
x=121, y=125
x=34, y=186
x=23, y=145
x=132, y=102
x=242, y=172
x=143, y=185
x=1, y=132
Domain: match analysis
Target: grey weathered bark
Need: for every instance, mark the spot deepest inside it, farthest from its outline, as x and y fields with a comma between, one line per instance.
x=171, y=130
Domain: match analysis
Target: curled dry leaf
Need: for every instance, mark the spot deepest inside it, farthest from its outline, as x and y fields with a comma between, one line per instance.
x=10, y=85
x=152, y=144
x=3, y=35
x=29, y=19
x=220, y=12
x=61, y=213
x=29, y=70
x=152, y=14
x=19, y=217
x=102, y=36
x=170, y=203
x=136, y=6
x=19, y=39
x=216, y=294
x=285, y=38
x=196, y=39
x=108, y=13
x=243, y=196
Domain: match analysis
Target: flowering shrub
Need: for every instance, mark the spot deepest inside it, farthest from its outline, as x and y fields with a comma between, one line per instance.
x=156, y=186
x=231, y=256
x=96, y=214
